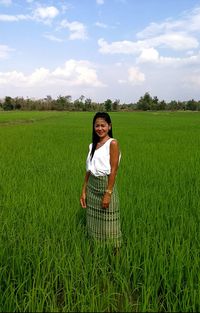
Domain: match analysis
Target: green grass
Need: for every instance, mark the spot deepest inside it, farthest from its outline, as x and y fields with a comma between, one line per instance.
x=48, y=264
x=19, y=117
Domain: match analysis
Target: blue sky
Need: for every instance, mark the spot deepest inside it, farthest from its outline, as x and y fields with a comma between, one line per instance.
x=117, y=49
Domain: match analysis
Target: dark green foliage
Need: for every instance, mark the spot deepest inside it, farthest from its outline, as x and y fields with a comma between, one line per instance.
x=8, y=104
x=65, y=103
x=108, y=105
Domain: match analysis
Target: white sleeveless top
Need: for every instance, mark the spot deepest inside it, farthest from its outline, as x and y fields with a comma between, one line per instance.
x=100, y=163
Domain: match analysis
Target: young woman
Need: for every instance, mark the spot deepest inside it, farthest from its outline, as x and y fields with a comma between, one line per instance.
x=99, y=193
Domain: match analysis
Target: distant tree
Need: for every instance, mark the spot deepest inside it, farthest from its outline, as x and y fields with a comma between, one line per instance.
x=191, y=105
x=63, y=102
x=34, y=105
x=180, y=105
x=115, y=105
x=145, y=102
x=49, y=103
x=81, y=98
x=98, y=106
x=161, y=105
x=8, y=104
x=172, y=105
x=108, y=105
x=88, y=104
x=129, y=106
x=198, y=105
x=68, y=102
x=20, y=103
x=48, y=98
x=77, y=105
x=184, y=105
x=124, y=107
x=17, y=103
x=154, y=103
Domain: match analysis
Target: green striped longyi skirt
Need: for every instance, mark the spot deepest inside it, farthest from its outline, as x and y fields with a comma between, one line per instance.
x=103, y=225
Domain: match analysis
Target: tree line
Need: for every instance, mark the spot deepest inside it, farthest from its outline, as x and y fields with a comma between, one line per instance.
x=65, y=103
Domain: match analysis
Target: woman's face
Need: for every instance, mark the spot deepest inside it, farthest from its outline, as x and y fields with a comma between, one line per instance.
x=101, y=127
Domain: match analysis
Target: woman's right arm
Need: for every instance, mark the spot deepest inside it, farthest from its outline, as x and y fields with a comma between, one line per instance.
x=83, y=195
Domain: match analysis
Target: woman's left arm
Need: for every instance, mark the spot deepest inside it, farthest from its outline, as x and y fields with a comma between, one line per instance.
x=114, y=161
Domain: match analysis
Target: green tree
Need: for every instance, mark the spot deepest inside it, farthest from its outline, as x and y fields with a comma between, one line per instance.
x=78, y=105
x=198, y=105
x=63, y=102
x=88, y=104
x=8, y=104
x=172, y=105
x=115, y=105
x=154, y=103
x=191, y=105
x=17, y=103
x=108, y=105
x=145, y=102
x=161, y=105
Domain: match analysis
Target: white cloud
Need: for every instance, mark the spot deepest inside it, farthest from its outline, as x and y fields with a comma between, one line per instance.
x=4, y=51
x=135, y=76
x=53, y=38
x=101, y=25
x=100, y=1
x=193, y=20
x=180, y=34
x=45, y=13
x=39, y=76
x=190, y=52
x=122, y=81
x=120, y=47
x=13, y=18
x=41, y=14
x=6, y=2
x=77, y=73
x=65, y=7
x=77, y=29
x=151, y=55
x=174, y=40
x=148, y=55
x=73, y=73
x=12, y=78
x=192, y=80
x=171, y=35
x=190, y=22
x=118, y=64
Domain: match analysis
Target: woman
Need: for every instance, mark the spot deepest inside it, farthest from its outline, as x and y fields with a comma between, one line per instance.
x=99, y=193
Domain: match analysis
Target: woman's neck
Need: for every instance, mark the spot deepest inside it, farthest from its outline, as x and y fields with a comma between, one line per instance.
x=104, y=138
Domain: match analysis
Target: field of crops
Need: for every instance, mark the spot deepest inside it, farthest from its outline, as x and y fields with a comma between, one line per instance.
x=47, y=263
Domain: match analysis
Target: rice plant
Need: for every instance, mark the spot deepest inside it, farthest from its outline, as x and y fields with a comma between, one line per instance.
x=47, y=262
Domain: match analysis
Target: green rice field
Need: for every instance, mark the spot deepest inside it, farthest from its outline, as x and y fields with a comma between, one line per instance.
x=47, y=263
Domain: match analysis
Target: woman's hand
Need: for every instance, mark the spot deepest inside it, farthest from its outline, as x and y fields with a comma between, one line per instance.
x=83, y=200
x=106, y=201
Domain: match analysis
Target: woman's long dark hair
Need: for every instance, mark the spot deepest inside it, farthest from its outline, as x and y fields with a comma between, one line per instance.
x=95, y=137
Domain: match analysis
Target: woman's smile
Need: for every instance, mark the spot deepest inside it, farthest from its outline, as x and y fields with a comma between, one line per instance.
x=101, y=127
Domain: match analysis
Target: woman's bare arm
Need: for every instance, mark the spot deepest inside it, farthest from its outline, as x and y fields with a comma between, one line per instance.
x=83, y=195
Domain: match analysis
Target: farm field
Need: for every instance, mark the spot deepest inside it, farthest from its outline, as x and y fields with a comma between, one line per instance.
x=48, y=264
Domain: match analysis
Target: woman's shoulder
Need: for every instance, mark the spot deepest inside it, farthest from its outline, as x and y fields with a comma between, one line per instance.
x=90, y=146
x=113, y=142
x=114, y=147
